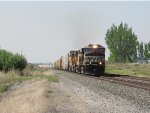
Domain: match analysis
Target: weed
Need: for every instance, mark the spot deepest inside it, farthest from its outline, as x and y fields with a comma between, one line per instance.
x=3, y=87
x=48, y=92
x=53, y=78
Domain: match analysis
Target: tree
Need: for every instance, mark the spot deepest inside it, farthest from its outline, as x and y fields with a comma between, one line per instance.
x=149, y=46
x=143, y=51
x=140, y=50
x=146, y=55
x=122, y=43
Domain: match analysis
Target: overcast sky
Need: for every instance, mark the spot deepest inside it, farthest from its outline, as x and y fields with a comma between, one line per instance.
x=44, y=31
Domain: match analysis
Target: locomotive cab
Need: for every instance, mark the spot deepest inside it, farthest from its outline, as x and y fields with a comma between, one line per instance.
x=92, y=59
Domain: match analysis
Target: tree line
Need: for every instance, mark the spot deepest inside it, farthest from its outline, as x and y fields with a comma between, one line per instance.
x=10, y=61
x=124, y=45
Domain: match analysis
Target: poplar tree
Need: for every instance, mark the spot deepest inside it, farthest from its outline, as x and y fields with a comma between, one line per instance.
x=122, y=43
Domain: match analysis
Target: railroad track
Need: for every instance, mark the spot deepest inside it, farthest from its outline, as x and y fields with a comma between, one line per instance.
x=132, y=81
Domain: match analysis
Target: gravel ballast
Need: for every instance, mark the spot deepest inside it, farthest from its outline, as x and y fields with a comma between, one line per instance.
x=98, y=96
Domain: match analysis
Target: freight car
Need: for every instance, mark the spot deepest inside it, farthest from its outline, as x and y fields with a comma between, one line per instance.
x=89, y=59
x=58, y=64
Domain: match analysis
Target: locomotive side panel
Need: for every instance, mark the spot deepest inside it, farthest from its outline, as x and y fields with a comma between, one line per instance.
x=73, y=57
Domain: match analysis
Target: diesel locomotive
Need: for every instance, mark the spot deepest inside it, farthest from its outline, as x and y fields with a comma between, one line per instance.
x=89, y=59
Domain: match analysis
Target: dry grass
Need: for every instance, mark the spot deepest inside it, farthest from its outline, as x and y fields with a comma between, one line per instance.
x=28, y=97
x=7, y=79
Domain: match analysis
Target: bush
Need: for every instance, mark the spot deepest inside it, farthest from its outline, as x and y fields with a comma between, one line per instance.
x=19, y=62
x=9, y=61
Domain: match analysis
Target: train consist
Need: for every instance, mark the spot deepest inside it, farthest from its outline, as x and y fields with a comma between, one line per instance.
x=89, y=59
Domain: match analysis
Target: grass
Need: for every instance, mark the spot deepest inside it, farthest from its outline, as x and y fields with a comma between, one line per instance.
x=129, y=69
x=3, y=87
x=53, y=78
x=7, y=79
x=48, y=92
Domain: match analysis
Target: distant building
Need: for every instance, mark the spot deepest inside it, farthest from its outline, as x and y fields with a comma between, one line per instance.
x=46, y=66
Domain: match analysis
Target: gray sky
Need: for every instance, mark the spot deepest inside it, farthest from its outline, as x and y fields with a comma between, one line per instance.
x=44, y=31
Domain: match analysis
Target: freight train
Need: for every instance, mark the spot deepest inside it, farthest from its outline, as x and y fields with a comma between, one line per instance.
x=89, y=59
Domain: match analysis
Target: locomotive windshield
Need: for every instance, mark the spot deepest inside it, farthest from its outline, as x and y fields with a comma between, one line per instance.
x=91, y=50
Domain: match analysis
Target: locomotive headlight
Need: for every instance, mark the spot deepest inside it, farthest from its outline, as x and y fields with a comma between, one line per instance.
x=94, y=46
x=100, y=63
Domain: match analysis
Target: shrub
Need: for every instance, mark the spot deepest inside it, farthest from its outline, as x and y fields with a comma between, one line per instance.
x=19, y=62
x=9, y=61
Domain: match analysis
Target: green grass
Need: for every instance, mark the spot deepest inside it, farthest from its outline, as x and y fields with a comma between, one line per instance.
x=115, y=70
x=49, y=91
x=20, y=79
x=129, y=69
x=3, y=87
x=53, y=78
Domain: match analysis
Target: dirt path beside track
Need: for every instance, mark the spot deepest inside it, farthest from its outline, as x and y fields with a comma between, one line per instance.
x=28, y=97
